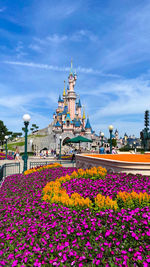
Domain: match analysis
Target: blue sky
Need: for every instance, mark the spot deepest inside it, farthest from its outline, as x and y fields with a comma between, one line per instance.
x=109, y=42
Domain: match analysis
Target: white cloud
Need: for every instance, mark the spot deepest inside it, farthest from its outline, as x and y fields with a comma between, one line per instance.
x=55, y=38
x=61, y=69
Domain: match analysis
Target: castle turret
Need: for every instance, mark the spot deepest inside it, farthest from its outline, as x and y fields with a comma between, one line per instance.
x=71, y=94
x=78, y=108
x=83, y=118
x=88, y=126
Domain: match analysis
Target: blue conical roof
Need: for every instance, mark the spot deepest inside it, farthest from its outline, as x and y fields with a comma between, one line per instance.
x=79, y=104
x=88, y=126
x=77, y=123
x=57, y=124
x=59, y=99
x=65, y=110
x=68, y=118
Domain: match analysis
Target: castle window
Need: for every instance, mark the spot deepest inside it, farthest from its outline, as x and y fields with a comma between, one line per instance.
x=68, y=122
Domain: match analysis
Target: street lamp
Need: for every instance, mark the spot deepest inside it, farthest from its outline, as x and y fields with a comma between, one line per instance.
x=26, y=119
x=102, y=135
x=6, y=138
x=110, y=130
x=60, y=139
x=134, y=147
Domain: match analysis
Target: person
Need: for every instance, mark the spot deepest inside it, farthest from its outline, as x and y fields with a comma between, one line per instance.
x=16, y=155
x=101, y=150
x=114, y=150
x=41, y=154
x=73, y=157
x=108, y=150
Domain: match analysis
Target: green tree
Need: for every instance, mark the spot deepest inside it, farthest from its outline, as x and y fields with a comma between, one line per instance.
x=34, y=127
x=114, y=142
x=3, y=132
x=23, y=129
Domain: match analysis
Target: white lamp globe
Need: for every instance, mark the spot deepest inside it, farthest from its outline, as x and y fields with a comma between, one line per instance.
x=60, y=137
x=111, y=127
x=26, y=118
x=102, y=134
x=6, y=137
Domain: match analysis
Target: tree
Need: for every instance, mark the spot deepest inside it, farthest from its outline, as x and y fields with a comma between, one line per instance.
x=3, y=132
x=34, y=127
x=23, y=129
x=114, y=142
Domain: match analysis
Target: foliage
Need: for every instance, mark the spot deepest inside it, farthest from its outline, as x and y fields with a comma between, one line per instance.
x=29, y=153
x=114, y=142
x=3, y=131
x=34, y=127
x=125, y=148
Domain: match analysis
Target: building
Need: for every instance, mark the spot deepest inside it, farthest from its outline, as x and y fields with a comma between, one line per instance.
x=68, y=120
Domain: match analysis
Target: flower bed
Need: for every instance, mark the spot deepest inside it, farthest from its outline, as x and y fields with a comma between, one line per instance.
x=3, y=156
x=42, y=168
x=90, y=188
x=36, y=233
x=66, y=157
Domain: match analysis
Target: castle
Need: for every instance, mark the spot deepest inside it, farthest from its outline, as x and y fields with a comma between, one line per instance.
x=69, y=119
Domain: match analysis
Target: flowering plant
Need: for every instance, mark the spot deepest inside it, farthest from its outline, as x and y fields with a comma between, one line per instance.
x=37, y=233
x=41, y=168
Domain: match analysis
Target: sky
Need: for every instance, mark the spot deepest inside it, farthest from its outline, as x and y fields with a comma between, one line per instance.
x=109, y=43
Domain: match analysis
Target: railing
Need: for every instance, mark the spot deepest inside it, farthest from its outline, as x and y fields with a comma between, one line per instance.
x=9, y=169
x=64, y=163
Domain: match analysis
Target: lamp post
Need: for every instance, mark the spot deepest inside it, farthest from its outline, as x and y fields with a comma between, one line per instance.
x=110, y=130
x=26, y=119
x=134, y=147
x=6, y=138
x=60, y=139
x=102, y=136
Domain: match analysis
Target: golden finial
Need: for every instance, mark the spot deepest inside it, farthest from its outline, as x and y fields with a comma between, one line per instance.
x=83, y=117
x=64, y=93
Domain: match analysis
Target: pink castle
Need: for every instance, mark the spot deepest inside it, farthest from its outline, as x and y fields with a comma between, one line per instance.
x=69, y=119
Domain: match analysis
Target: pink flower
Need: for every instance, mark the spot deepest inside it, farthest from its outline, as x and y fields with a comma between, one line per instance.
x=148, y=233
x=14, y=263
x=123, y=252
x=108, y=232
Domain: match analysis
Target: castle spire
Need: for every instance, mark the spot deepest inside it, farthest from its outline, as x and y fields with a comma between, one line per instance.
x=71, y=70
x=64, y=93
x=83, y=117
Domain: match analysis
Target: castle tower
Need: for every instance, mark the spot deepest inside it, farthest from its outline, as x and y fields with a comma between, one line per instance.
x=64, y=96
x=71, y=94
x=83, y=118
x=79, y=109
x=88, y=126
